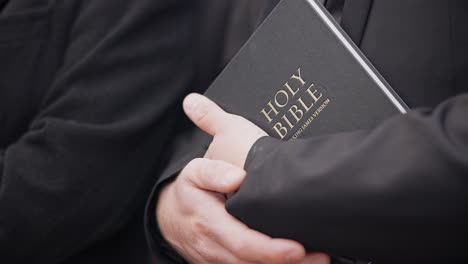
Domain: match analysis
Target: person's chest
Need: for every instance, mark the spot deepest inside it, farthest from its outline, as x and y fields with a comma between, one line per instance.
x=28, y=58
x=419, y=46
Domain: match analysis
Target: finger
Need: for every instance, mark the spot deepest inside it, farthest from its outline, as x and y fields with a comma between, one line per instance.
x=209, y=252
x=316, y=258
x=213, y=175
x=213, y=253
x=206, y=114
x=252, y=246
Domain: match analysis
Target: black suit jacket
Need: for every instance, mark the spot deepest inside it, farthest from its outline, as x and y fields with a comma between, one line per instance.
x=89, y=92
x=398, y=193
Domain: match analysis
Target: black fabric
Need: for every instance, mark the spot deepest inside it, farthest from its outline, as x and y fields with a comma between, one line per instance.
x=210, y=39
x=387, y=179
x=2, y=4
x=245, y=16
x=89, y=98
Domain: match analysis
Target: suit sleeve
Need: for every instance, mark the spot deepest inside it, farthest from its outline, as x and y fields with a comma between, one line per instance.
x=83, y=167
x=396, y=194
x=191, y=144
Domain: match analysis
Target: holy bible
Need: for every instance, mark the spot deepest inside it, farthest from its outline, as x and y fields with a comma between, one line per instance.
x=300, y=75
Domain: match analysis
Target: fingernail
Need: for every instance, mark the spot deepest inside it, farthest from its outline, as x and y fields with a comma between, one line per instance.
x=233, y=176
x=191, y=102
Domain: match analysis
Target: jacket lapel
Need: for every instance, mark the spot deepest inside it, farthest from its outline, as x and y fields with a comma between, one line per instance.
x=354, y=20
x=2, y=4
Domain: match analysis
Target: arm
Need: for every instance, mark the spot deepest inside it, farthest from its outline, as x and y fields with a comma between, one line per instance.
x=397, y=194
x=77, y=175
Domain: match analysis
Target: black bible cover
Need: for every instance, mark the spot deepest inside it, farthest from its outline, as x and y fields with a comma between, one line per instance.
x=300, y=75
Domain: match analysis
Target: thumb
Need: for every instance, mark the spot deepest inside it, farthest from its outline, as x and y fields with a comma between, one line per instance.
x=213, y=175
x=206, y=114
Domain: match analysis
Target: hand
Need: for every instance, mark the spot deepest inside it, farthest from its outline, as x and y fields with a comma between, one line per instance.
x=233, y=135
x=192, y=218
x=237, y=135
